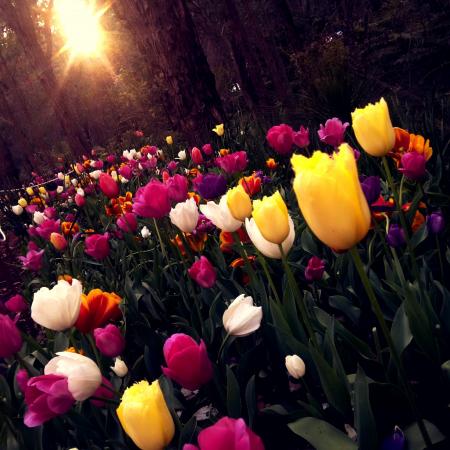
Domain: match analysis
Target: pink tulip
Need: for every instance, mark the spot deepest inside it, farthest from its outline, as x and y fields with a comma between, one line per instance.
x=108, y=186
x=33, y=260
x=50, y=212
x=16, y=304
x=102, y=392
x=207, y=149
x=301, y=137
x=10, y=338
x=332, y=133
x=233, y=163
x=126, y=171
x=47, y=227
x=46, y=396
x=172, y=166
x=127, y=223
x=177, y=188
x=196, y=155
x=22, y=379
x=152, y=200
x=281, y=138
x=203, y=272
x=97, y=246
x=111, y=159
x=80, y=201
x=109, y=340
x=187, y=362
x=229, y=434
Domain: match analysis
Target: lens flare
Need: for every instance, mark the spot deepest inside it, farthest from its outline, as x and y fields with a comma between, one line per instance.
x=79, y=22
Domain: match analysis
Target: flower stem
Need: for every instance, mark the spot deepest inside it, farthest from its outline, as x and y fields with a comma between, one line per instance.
x=265, y=267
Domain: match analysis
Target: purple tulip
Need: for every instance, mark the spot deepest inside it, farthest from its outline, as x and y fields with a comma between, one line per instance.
x=413, y=165
x=212, y=186
x=436, y=222
x=396, y=441
x=371, y=187
x=395, y=236
x=10, y=338
x=109, y=340
x=332, y=133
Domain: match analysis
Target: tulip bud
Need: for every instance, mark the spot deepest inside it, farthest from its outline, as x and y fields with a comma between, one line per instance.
x=241, y=318
x=97, y=246
x=182, y=155
x=169, y=140
x=196, y=155
x=207, y=149
x=58, y=241
x=436, y=222
x=16, y=304
x=281, y=138
x=29, y=191
x=127, y=223
x=109, y=340
x=219, y=129
x=203, y=272
x=396, y=236
x=315, y=268
x=239, y=203
x=10, y=338
x=22, y=379
x=295, y=366
x=145, y=232
x=39, y=217
x=22, y=202
x=119, y=368
x=17, y=210
x=108, y=186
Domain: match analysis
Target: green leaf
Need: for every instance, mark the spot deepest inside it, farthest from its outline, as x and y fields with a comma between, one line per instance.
x=307, y=242
x=400, y=330
x=364, y=419
x=344, y=305
x=415, y=439
x=321, y=435
x=250, y=400
x=233, y=395
x=445, y=367
x=419, y=236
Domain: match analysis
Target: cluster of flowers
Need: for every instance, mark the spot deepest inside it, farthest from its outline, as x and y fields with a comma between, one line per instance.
x=337, y=204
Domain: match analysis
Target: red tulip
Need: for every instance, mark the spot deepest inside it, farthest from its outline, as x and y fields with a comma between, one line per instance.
x=196, y=155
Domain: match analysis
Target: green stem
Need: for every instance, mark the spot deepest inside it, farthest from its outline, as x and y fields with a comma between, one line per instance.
x=386, y=333
x=244, y=256
x=222, y=346
x=95, y=350
x=265, y=267
x=400, y=194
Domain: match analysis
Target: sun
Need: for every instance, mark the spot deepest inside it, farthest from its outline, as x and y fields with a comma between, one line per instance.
x=79, y=22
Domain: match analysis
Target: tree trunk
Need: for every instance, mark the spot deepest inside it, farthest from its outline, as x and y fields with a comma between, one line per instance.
x=165, y=33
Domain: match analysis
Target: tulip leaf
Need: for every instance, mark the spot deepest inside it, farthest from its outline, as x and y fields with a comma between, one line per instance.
x=364, y=418
x=400, y=330
x=419, y=236
x=307, y=242
x=415, y=439
x=233, y=395
x=250, y=400
x=344, y=305
x=321, y=435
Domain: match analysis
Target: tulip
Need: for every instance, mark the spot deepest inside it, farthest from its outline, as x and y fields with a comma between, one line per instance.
x=172, y=166
x=177, y=188
x=46, y=397
x=196, y=155
x=97, y=309
x=152, y=200
x=126, y=172
x=332, y=133
x=57, y=308
x=271, y=164
x=33, y=260
x=251, y=184
x=109, y=340
x=229, y=434
x=108, y=186
x=127, y=223
x=413, y=165
x=97, y=246
x=169, y=140
x=397, y=441
x=182, y=155
x=185, y=215
x=50, y=212
x=104, y=391
x=301, y=137
x=241, y=318
x=80, y=201
x=315, y=268
x=220, y=215
x=47, y=227
x=239, y=203
x=371, y=187
x=295, y=366
x=22, y=378
x=207, y=149
x=16, y=304
x=266, y=247
x=119, y=368
x=219, y=129
x=395, y=236
x=22, y=202
x=233, y=163
x=145, y=417
x=281, y=139
x=83, y=375
x=17, y=210
x=10, y=338
x=145, y=232
x=212, y=186
x=58, y=241
x=203, y=272
x=38, y=217
x=272, y=218
x=436, y=222
x=373, y=128
x=187, y=362
x=331, y=198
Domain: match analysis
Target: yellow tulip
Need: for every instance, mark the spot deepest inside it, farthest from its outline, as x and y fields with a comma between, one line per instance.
x=22, y=202
x=30, y=191
x=219, y=129
x=42, y=190
x=169, y=140
x=239, y=203
x=373, y=128
x=272, y=218
x=145, y=417
x=330, y=197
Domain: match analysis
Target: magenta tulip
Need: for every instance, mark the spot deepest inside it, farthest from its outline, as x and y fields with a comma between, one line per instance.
x=108, y=186
x=233, y=163
x=332, y=133
x=33, y=260
x=315, y=269
x=127, y=223
x=97, y=246
x=80, y=201
x=203, y=272
x=301, y=137
x=47, y=227
x=109, y=340
x=207, y=149
x=22, y=378
x=187, y=362
x=16, y=304
x=281, y=138
x=104, y=391
x=10, y=338
x=46, y=397
x=413, y=165
x=177, y=188
x=152, y=200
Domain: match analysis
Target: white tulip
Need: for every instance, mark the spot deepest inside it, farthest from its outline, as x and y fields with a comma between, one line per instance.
x=95, y=175
x=267, y=248
x=185, y=215
x=57, y=308
x=17, y=210
x=220, y=215
x=38, y=217
x=83, y=375
x=242, y=318
x=145, y=232
x=80, y=191
x=114, y=175
x=60, y=189
x=119, y=368
x=74, y=182
x=182, y=155
x=129, y=154
x=60, y=176
x=295, y=366
x=123, y=180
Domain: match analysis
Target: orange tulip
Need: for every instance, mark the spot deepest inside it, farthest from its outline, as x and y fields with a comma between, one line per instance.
x=97, y=309
x=251, y=184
